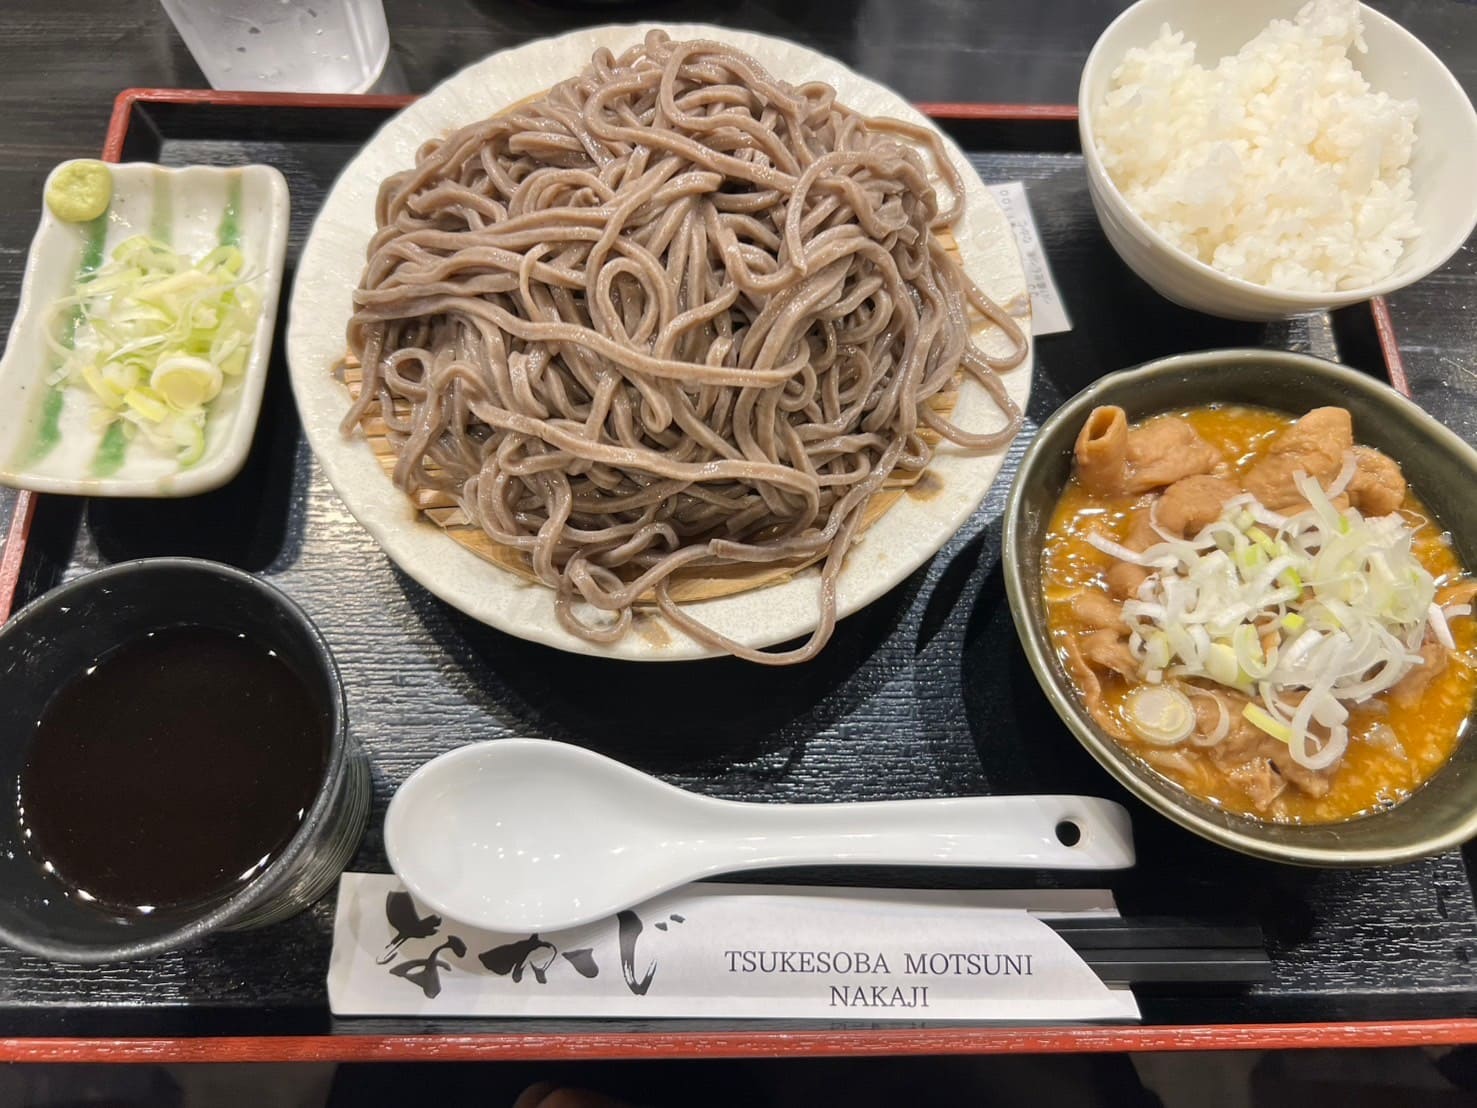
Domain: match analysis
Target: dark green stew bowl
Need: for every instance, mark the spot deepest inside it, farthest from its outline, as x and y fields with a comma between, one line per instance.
x=1441, y=469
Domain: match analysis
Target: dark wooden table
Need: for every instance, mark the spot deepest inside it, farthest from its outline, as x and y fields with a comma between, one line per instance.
x=65, y=60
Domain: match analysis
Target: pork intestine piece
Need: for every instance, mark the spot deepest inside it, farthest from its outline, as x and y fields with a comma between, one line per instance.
x=1087, y=682
x=1315, y=445
x=1192, y=503
x=1096, y=610
x=1107, y=649
x=1377, y=487
x=1165, y=450
x=1113, y=458
x=1102, y=452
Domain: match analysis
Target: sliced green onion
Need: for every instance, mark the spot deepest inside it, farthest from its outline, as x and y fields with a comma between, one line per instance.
x=160, y=336
x=1324, y=609
x=1157, y=651
x=1264, y=721
x=1160, y=715
x=147, y=405
x=1221, y=665
x=1263, y=540
x=1247, y=645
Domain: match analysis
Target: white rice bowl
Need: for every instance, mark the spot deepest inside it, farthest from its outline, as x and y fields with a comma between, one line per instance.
x=1280, y=165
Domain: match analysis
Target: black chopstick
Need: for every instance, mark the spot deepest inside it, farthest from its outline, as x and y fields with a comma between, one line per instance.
x=1164, y=951
x=1110, y=934
x=1184, y=966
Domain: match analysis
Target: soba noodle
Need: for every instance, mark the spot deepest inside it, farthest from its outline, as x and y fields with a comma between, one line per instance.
x=675, y=314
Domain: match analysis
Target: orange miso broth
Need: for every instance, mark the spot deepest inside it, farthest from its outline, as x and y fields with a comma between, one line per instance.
x=1395, y=742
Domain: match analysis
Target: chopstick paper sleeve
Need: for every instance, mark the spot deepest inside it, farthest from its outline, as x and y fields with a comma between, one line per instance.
x=728, y=951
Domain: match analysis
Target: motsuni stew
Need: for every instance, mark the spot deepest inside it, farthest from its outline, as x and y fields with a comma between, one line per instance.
x=1260, y=609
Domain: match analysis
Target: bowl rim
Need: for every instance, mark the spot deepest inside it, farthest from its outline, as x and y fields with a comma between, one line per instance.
x=253, y=893
x=1035, y=643
x=1291, y=300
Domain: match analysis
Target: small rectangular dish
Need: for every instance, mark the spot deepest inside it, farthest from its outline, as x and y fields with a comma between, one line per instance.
x=55, y=434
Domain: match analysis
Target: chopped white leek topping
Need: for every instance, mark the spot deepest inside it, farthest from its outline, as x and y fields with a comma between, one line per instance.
x=158, y=336
x=1306, y=614
x=1159, y=715
x=1439, y=627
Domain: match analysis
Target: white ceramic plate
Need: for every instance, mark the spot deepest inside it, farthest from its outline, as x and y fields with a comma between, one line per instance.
x=47, y=441
x=910, y=533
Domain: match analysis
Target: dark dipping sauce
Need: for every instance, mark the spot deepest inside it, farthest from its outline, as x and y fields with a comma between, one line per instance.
x=172, y=771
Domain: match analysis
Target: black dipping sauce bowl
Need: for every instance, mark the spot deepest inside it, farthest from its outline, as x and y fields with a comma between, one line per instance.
x=55, y=638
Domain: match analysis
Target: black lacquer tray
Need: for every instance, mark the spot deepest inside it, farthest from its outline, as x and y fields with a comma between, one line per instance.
x=925, y=693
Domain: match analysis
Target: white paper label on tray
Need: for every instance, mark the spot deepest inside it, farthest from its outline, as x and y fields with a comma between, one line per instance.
x=1048, y=314
x=731, y=951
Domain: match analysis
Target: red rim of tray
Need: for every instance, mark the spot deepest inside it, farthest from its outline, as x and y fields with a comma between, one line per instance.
x=601, y=1045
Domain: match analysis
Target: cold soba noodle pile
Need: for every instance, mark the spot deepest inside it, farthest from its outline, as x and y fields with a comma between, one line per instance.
x=673, y=316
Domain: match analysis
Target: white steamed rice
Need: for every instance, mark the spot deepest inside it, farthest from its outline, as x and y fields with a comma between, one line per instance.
x=1279, y=166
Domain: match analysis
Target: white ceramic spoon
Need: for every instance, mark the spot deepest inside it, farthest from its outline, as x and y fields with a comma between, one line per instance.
x=531, y=835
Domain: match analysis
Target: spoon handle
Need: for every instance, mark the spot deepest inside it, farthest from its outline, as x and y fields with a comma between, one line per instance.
x=1026, y=832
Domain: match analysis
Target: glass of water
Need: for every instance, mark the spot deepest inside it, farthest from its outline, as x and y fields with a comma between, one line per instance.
x=285, y=45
